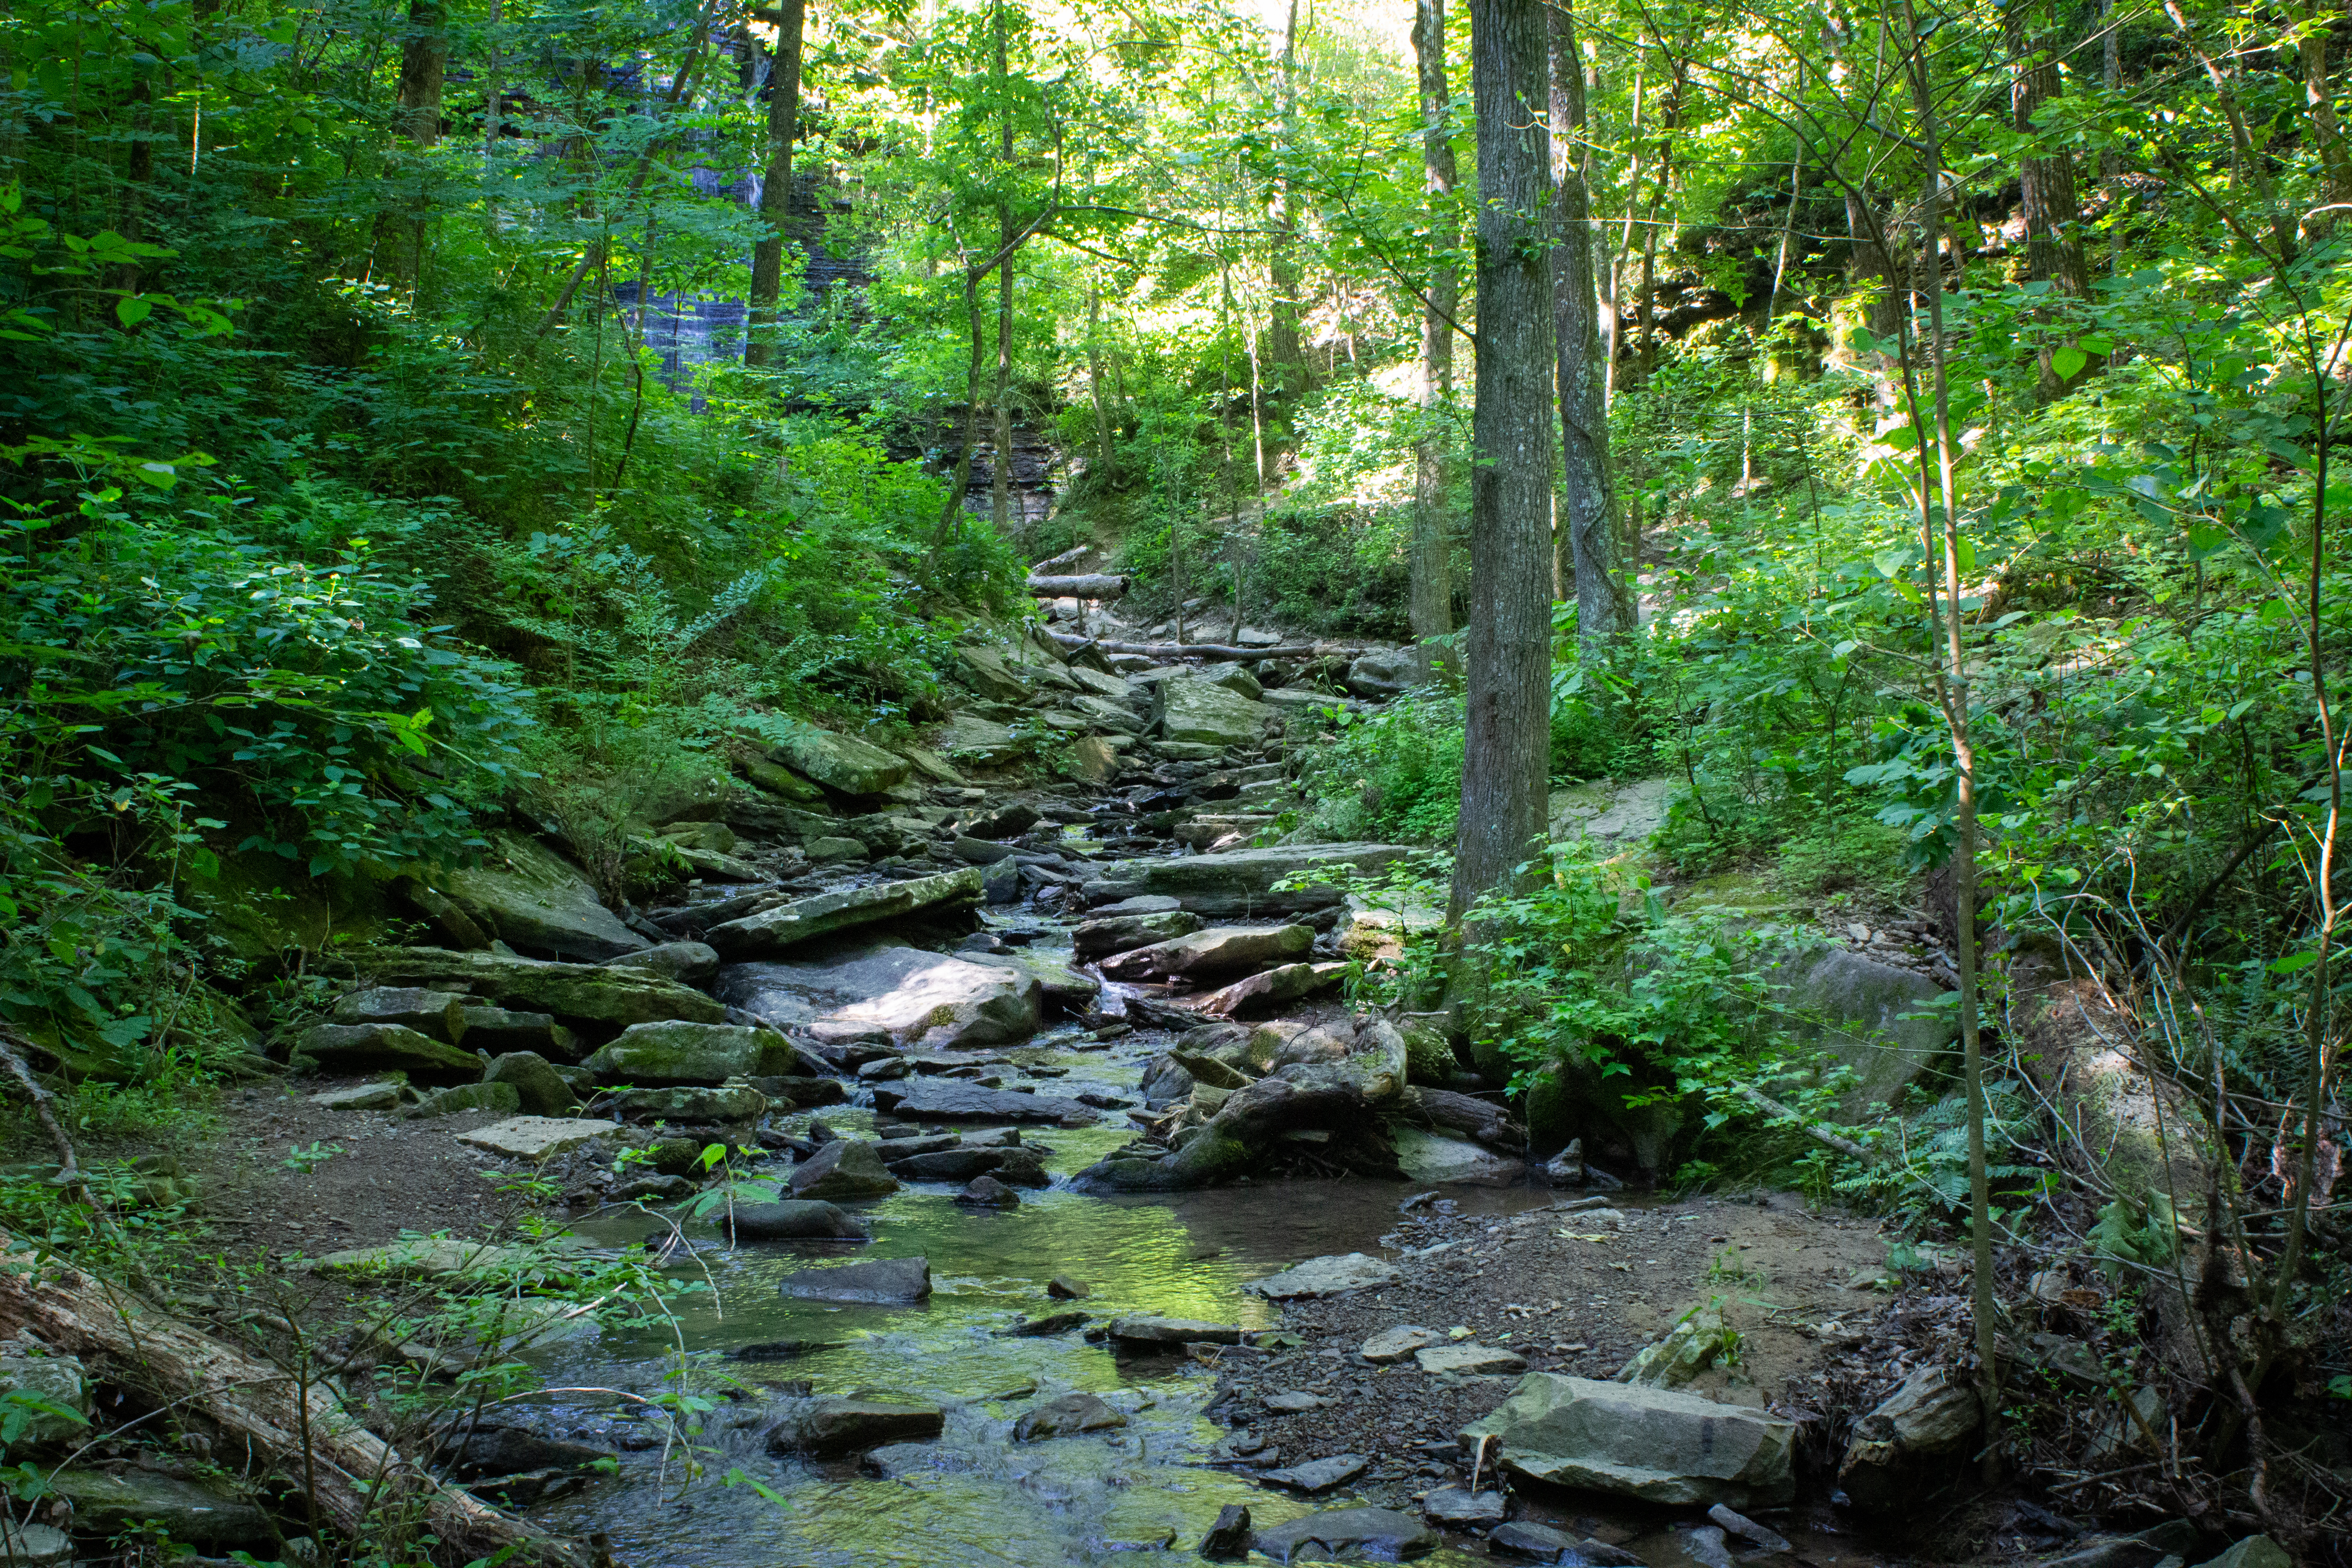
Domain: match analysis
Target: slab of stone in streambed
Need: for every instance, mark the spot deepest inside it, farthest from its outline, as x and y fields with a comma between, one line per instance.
x=1260, y=995
x=682, y=1053
x=353, y=1047
x=1651, y=1444
x=1216, y=952
x=1319, y=1475
x=1188, y=708
x=383, y=1096
x=879, y=1281
x=1432, y=1157
x=538, y=902
x=791, y=1220
x=1173, y=1331
x=1067, y=1417
x=840, y=763
x=1470, y=1359
x=1336, y=1275
x=1392, y=1345
x=1347, y=1534
x=853, y=989
x=842, y=1169
x=422, y=1257
x=1112, y=933
x=534, y=1138
x=954, y=1099
x=1241, y=882
x=1458, y=1507
x=583, y=995
x=805, y=919
x=848, y=1426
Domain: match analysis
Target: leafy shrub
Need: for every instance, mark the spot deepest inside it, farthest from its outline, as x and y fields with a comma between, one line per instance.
x=1392, y=775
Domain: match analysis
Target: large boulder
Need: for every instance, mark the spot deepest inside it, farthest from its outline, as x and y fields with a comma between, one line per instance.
x=369, y=1048
x=110, y=1503
x=981, y=742
x=879, y=1281
x=840, y=763
x=792, y=1220
x=959, y=1099
x=987, y=671
x=539, y=903
x=585, y=996
x=939, y=1001
x=539, y=1087
x=687, y=963
x=1907, y=1444
x=51, y=1393
x=848, y=1425
x=1270, y=991
x=1237, y=1136
x=1349, y=1534
x=1219, y=951
x=804, y=920
x=1067, y=1417
x=1121, y=933
x=1384, y=673
x=1434, y=1157
x=438, y=1014
x=1883, y=1023
x=1242, y=882
x=692, y=1053
x=1189, y=709
x=1651, y=1444
x=846, y=1168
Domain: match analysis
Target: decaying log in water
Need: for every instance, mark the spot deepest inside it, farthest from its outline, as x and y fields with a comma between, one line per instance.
x=1170, y=652
x=359, y=1481
x=1095, y=585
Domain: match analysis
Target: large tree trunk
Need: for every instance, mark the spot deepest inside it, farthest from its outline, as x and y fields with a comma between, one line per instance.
x=424, y=60
x=1507, y=745
x=1283, y=351
x=776, y=183
x=1604, y=603
x=1096, y=386
x=1433, y=582
x=359, y=1482
x=1000, y=462
x=2326, y=130
x=2053, y=212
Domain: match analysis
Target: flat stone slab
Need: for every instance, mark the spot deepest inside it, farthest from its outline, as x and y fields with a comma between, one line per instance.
x=1347, y=1534
x=360, y=1097
x=1295, y=1402
x=573, y=993
x=1242, y=881
x=804, y=920
x=847, y=1426
x=952, y=1099
x=1147, y=1330
x=1319, y=1475
x=1333, y=1275
x=1469, y=1360
x=1460, y=1508
x=1392, y=1345
x=1653, y=1444
x=536, y=1137
x=879, y=1281
x=1434, y=1157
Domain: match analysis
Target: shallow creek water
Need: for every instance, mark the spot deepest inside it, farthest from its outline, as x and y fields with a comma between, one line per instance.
x=975, y=1497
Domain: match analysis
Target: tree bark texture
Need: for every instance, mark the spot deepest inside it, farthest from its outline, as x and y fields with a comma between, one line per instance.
x=1430, y=566
x=1508, y=733
x=1604, y=602
x=2325, y=128
x=424, y=61
x=776, y=183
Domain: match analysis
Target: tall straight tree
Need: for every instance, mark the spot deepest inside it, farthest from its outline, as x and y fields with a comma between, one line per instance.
x=1604, y=602
x=1433, y=584
x=1507, y=743
x=790, y=20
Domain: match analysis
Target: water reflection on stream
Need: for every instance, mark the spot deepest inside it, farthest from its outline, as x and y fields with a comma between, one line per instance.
x=978, y=1499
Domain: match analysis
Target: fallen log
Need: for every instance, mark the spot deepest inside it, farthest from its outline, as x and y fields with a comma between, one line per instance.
x=1473, y=1118
x=358, y=1481
x=1093, y=586
x=1053, y=563
x=1168, y=652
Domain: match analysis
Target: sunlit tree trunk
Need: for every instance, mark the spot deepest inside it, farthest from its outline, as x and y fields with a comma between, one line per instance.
x=1001, y=477
x=1283, y=350
x=776, y=182
x=2314, y=24
x=1094, y=385
x=1432, y=573
x=1508, y=741
x=1604, y=604
x=1940, y=532
x=2052, y=211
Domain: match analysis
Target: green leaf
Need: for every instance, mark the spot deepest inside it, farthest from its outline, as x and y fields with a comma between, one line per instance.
x=2068, y=362
x=2289, y=963
x=132, y=309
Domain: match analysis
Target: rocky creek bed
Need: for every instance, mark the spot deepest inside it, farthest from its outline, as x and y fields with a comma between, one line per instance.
x=1069, y=1211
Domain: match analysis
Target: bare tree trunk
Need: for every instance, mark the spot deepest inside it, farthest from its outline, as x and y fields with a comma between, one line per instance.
x=776, y=183
x=424, y=61
x=2326, y=130
x=1613, y=290
x=1646, y=305
x=1000, y=485
x=1432, y=574
x=1283, y=351
x=1508, y=740
x=1095, y=382
x=1952, y=689
x=1604, y=603
x=2053, y=212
